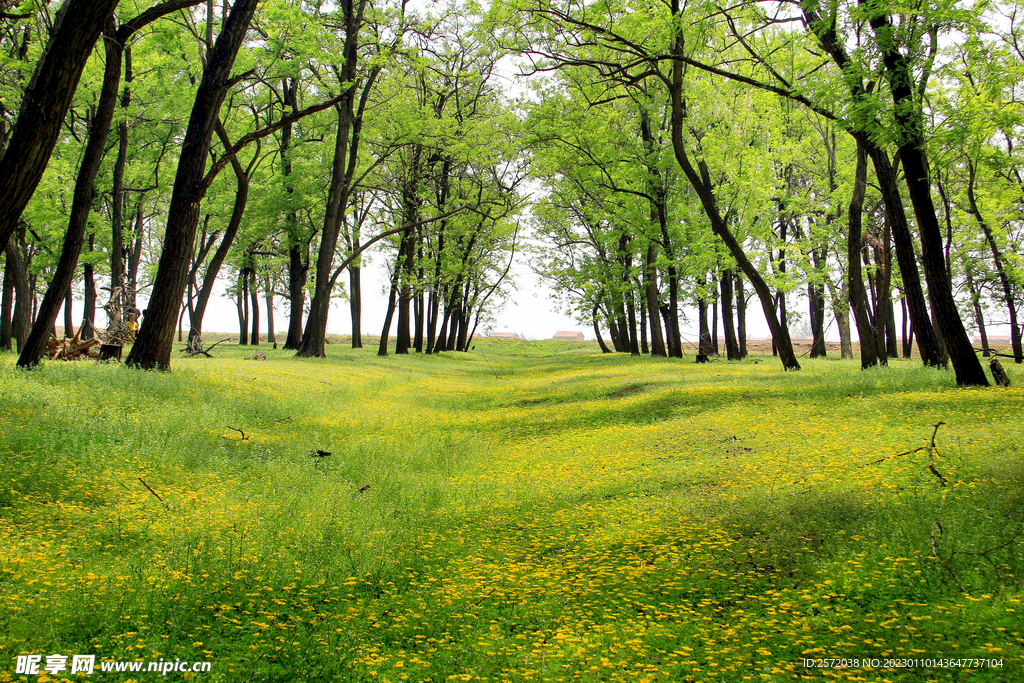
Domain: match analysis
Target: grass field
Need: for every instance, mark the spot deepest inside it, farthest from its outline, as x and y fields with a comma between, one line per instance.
x=529, y=511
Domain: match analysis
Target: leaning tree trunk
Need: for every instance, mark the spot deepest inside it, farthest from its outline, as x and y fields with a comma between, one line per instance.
x=979, y=316
x=346, y=149
x=997, y=259
x=597, y=331
x=701, y=183
x=45, y=103
x=156, y=338
x=81, y=206
x=198, y=312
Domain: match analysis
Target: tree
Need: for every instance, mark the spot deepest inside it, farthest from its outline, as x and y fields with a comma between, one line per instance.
x=152, y=348
x=114, y=41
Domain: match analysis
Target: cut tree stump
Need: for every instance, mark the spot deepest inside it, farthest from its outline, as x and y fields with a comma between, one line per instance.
x=111, y=351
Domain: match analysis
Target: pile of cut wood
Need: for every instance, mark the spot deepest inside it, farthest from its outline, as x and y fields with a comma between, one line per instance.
x=71, y=349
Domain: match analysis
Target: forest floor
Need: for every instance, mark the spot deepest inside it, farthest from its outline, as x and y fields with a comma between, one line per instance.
x=529, y=511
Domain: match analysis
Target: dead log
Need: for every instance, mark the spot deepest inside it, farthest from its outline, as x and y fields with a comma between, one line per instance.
x=998, y=374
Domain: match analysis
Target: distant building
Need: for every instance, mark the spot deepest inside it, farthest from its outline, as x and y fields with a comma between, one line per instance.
x=569, y=336
x=503, y=335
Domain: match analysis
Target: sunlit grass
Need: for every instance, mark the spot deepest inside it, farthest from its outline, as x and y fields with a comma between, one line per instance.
x=522, y=512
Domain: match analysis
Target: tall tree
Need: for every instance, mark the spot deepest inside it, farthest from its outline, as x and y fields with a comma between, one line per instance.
x=153, y=346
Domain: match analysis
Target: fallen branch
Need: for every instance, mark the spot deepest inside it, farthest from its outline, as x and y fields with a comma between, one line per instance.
x=236, y=429
x=984, y=554
x=162, y=502
x=931, y=448
x=195, y=349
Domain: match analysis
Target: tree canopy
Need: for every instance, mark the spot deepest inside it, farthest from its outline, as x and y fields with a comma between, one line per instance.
x=653, y=162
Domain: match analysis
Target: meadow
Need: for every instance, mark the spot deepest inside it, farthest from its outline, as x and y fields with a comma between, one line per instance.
x=528, y=511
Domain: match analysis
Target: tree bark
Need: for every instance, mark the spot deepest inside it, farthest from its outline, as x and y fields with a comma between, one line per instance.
x=198, y=312
x=88, y=328
x=816, y=312
x=741, y=316
x=17, y=268
x=979, y=316
x=153, y=347
x=597, y=332
x=7, y=307
x=704, y=346
x=242, y=306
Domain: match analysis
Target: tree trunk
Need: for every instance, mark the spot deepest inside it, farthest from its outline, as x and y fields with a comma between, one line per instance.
x=816, y=300
x=242, y=306
x=979, y=317
x=732, y=348
x=842, y=314
x=153, y=347
x=69, y=321
x=704, y=346
x=741, y=315
x=997, y=259
x=298, y=268
x=346, y=149
x=17, y=268
x=254, y=297
x=382, y=349
x=597, y=332
x=355, y=303
x=271, y=337
x=858, y=295
x=88, y=329
x=702, y=185
x=908, y=116
x=651, y=299
x=81, y=206
x=904, y=326
x=198, y=312
x=929, y=346
x=7, y=308
x=45, y=103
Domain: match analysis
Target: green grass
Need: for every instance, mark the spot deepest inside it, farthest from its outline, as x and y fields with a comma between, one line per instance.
x=526, y=511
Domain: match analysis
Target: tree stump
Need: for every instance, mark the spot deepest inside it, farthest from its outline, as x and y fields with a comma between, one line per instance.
x=110, y=352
